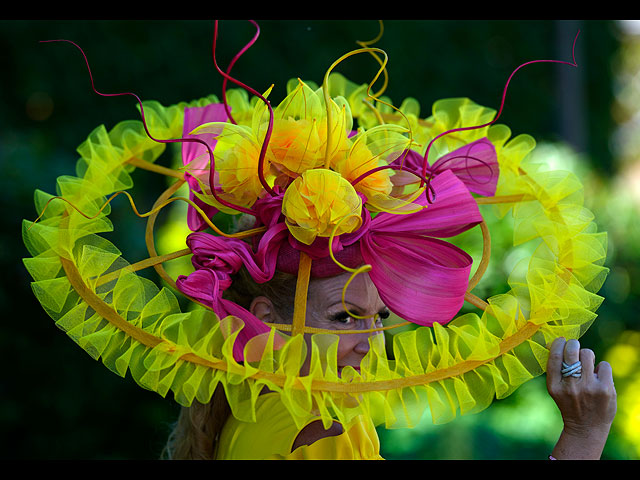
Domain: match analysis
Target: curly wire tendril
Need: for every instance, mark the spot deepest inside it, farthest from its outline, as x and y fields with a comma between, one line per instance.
x=504, y=94
x=353, y=271
x=325, y=90
x=368, y=43
x=226, y=76
x=144, y=123
x=231, y=64
x=201, y=212
x=382, y=69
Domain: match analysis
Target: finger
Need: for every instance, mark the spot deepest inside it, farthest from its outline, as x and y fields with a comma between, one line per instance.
x=604, y=373
x=571, y=354
x=588, y=360
x=572, y=351
x=554, y=363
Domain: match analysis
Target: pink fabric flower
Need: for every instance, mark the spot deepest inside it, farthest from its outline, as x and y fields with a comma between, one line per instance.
x=475, y=164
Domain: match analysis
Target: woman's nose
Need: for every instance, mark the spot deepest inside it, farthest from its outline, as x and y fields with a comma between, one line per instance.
x=362, y=347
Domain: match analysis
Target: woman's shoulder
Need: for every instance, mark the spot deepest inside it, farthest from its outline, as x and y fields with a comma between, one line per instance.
x=273, y=432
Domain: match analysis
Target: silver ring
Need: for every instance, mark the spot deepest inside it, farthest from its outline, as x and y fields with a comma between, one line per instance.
x=574, y=370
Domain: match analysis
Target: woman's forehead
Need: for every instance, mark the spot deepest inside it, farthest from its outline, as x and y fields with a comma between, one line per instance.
x=361, y=291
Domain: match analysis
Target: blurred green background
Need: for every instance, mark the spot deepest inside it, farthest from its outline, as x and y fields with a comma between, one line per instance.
x=57, y=403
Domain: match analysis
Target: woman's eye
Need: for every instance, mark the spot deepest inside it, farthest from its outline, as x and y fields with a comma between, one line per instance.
x=343, y=318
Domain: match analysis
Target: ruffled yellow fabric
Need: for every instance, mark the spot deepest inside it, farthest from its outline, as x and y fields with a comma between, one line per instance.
x=271, y=437
x=94, y=295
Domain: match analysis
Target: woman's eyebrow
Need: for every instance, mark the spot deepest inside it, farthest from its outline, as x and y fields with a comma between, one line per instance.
x=359, y=310
x=352, y=307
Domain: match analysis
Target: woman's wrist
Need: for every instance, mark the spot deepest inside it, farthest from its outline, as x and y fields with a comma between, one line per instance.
x=581, y=442
x=584, y=431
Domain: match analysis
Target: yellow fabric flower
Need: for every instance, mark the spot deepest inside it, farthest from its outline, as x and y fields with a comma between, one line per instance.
x=379, y=147
x=359, y=160
x=236, y=153
x=317, y=201
x=295, y=145
x=299, y=138
x=237, y=165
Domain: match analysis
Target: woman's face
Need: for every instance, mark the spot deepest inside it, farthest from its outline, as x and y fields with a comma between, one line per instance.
x=325, y=310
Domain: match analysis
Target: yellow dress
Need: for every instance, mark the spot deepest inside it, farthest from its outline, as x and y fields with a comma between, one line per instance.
x=272, y=435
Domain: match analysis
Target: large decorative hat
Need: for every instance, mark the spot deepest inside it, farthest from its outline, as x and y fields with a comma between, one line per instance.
x=333, y=180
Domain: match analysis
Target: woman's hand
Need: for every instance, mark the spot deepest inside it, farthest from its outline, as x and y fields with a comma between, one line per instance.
x=587, y=402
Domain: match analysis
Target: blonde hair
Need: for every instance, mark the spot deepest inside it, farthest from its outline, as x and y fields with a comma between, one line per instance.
x=196, y=433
